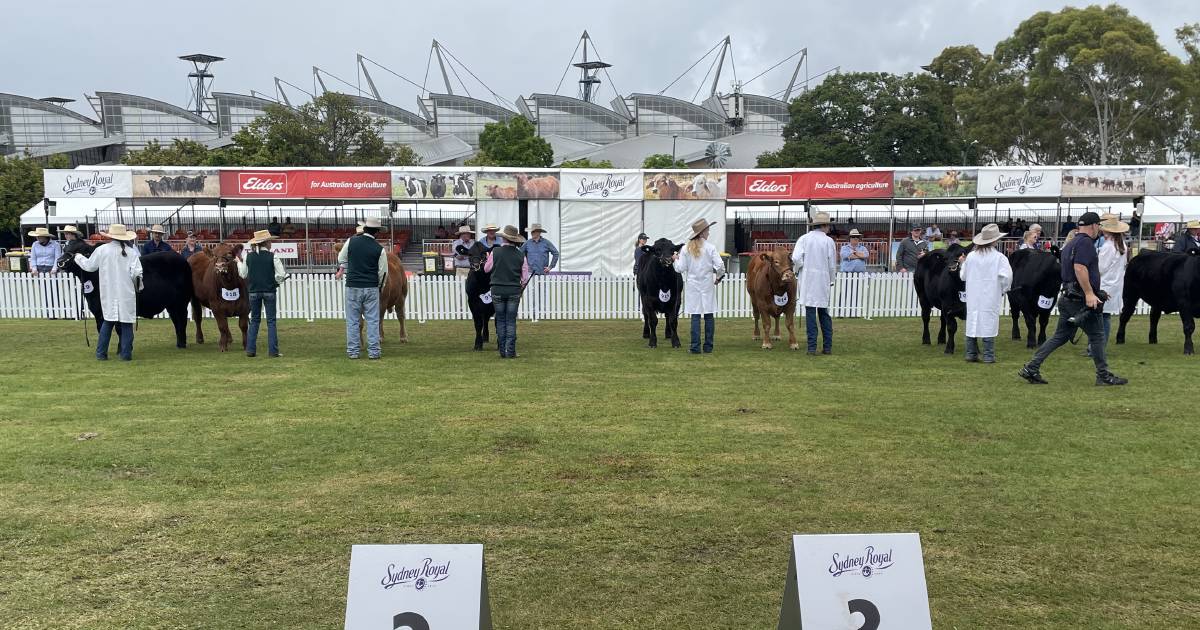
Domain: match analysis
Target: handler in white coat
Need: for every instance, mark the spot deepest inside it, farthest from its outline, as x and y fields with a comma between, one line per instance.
x=988, y=276
x=702, y=269
x=1112, y=260
x=815, y=261
x=120, y=269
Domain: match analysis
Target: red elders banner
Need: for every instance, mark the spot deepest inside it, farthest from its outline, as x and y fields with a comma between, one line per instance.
x=306, y=184
x=849, y=184
x=773, y=186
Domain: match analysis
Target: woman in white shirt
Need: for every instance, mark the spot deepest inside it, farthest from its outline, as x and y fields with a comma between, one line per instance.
x=988, y=277
x=1113, y=258
x=120, y=268
x=702, y=269
x=1030, y=239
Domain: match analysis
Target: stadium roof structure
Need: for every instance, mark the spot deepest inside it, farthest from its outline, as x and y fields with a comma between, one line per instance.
x=631, y=153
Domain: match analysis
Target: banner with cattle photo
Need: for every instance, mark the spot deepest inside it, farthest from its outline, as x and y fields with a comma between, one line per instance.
x=590, y=185
x=1173, y=181
x=84, y=183
x=684, y=185
x=177, y=183
x=1103, y=182
x=415, y=183
x=1019, y=182
x=517, y=185
x=925, y=183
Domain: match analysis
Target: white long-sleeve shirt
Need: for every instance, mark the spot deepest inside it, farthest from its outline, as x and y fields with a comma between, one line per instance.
x=700, y=275
x=118, y=277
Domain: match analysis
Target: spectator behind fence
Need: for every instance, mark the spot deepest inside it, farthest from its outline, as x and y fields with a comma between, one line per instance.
x=854, y=255
x=912, y=248
x=1032, y=237
x=44, y=253
x=462, y=262
x=1189, y=242
x=74, y=240
x=190, y=246
x=156, y=243
x=637, y=250
x=441, y=233
x=273, y=227
x=933, y=232
x=953, y=240
x=540, y=252
x=289, y=230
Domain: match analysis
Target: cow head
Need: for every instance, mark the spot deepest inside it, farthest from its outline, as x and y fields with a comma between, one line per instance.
x=66, y=262
x=662, y=251
x=778, y=264
x=659, y=180
x=477, y=255
x=225, y=258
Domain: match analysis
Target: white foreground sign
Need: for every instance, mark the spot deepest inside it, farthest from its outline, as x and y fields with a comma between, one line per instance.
x=856, y=582
x=417, y=587
x=285, y=250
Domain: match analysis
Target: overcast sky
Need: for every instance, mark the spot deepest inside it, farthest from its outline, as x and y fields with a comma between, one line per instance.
x=71, y=47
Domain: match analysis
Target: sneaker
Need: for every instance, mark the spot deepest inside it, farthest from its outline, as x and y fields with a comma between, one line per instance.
x=972, y=359
x=989, y=359
x=812, y=353
x=1108, y=378
x=249, y=354
x=827, y=351
x=352, y=356
x=1033, y=376
x=276, y=355
x=373, y=358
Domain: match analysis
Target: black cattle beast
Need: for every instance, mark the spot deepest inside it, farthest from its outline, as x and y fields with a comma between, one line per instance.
x=661, y=289
x=166, y=286
x=939, y=286
x=1036, y=281
x=1168, y=282
x=479, y=291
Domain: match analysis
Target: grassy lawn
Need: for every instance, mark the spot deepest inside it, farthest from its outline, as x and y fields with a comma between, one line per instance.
x=612, y=486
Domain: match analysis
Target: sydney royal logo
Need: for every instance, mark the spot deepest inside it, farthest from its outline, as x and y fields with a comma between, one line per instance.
x=602, y=186
x=421, y=576
x=1026, y=182
x=866, y=564
x=93, y=183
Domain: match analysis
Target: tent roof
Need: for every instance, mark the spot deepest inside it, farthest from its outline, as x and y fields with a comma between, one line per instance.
x=67, y=210
x=1170, y=209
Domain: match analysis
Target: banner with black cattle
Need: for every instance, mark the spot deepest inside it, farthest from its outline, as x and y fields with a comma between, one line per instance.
x=422, y=183
x=176, y=183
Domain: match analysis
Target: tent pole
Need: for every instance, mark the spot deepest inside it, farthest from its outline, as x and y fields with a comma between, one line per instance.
x=891, y=231
x=307, y=242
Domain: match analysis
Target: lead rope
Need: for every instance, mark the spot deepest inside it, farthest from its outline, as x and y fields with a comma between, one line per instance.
x=79, y=303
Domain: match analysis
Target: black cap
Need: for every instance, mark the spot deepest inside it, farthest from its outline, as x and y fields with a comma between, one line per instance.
x=1088, y=218
x=643, y=236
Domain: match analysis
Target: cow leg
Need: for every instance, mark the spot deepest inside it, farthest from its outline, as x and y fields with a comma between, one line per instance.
x=197, y=313
x=793, y=344
x=951, y=330
x=757, y=334
x=673, y=322
x=1127, y=309
x=400, y=317
x=179, y=318
x=223, y=327
x=645, y=327
x=1043, y=321
x=925, y=324
x=942, y=329
x=1155, y=315
x=1016, y=313
x=776, y=336
x=1031, y=320
x=652, y=322
x=480, y=329
x=766, y=337
x=1189, y=326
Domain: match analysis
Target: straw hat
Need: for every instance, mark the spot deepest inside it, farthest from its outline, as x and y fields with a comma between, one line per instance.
x=536, y=227
x=466, y=229
x=42, y=231
x=118, y=232
x=854, y=233
x=491, y=227
x=989, y=234
x=1193, y=225
x=73, y=230
x=157, y=229
x=358, y=229
x=820, y=218
x=371, y=222
x=510, y=234
x=698, y=228
x=1116, y=226
x=1109, y=216
x=262, y=236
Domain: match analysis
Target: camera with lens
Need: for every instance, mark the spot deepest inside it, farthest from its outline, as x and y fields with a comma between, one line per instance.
x=1085, y=312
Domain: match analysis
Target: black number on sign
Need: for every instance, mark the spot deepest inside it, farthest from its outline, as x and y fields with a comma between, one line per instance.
x=869, y=612
x=414, y=621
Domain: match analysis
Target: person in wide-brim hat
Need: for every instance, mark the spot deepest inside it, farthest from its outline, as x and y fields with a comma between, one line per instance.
x=510, y=234
x=41, y=233
x=700, y=227
x=820, y=218
x=118, y=232
x=702, y=269
x=988, y=235
x=157, y=229
x=510, y=271
x=262, y=236
x=466, y=229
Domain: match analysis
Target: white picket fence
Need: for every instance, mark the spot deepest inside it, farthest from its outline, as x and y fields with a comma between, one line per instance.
x=313, y=296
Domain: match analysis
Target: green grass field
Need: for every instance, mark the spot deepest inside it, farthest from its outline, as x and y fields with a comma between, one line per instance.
x=612, y=486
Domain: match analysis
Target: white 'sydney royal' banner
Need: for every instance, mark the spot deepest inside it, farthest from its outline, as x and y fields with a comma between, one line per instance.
x=1024, y=182
x=417, y=587
x=589, y=185
x=87, y=183
x=856, y=582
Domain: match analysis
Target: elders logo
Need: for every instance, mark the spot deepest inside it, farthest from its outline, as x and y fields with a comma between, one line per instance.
x=768, y=186
x=266, y=184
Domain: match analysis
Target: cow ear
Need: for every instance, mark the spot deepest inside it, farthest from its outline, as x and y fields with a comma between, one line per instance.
x=646, y=249
x=765, y=256
x=237, y=249
x=679, y=247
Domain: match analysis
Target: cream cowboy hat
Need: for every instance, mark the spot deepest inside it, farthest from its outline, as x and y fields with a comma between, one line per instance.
x=466, y=229
x=41, y=232
x=1115, y=226
x=854, y=233
x=698, y=228
x=989, y=234
x=510, y=234
x=118, y=232
x=491, y=227
x=262, y=236
x=157, y=229
x=536, y=227
x=73, y=230
x=820, y=218
x=1192, y=225
x=372, y=222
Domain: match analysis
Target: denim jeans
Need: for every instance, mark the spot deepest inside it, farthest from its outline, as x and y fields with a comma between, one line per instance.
x=1091, y=323
x=362, y=302
x=124, y=343
x=811, y=315
x=989, y=348
x=257, y=302
x=710, y=329
x=506, y=322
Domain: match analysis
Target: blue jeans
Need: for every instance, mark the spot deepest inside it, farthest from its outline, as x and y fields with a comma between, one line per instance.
x=811, y=315
x=1107, y=321
x=710, y=330
x=124, y=343
x=506, y=322
x=257, y=302
x=362, y=302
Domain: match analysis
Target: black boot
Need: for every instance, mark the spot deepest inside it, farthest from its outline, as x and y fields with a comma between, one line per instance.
x=1108, y=378
x=1032, y=375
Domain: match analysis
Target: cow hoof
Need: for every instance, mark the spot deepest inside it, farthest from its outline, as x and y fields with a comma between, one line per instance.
x=1188, y=351
x=776, y=337
x=676, y=344
x=925, y=341
x=652, y=345
x=949, y=350
x=766, y=346
x=756, y=338
x=794, y=346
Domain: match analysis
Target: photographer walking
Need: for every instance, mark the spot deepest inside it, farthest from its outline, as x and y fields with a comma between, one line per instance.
x=1079, y=306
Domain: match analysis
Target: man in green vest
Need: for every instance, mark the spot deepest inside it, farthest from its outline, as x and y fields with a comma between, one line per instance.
x=365, y=262
x=510, y=271
x=263, y=273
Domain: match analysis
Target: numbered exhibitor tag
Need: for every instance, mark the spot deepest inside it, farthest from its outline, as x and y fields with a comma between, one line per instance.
x=1045, y=302
x=230, y=295
x=781, y=299
x=417, y=587
x=856, y=582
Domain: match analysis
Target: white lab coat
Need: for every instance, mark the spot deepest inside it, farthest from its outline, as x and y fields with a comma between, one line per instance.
x=815, y=255
x=118, y=298
x=1112, y=276
x=988, y=276
x=699, y=279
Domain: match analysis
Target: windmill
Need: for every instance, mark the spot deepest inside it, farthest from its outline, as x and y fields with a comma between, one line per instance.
x=717, y=154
